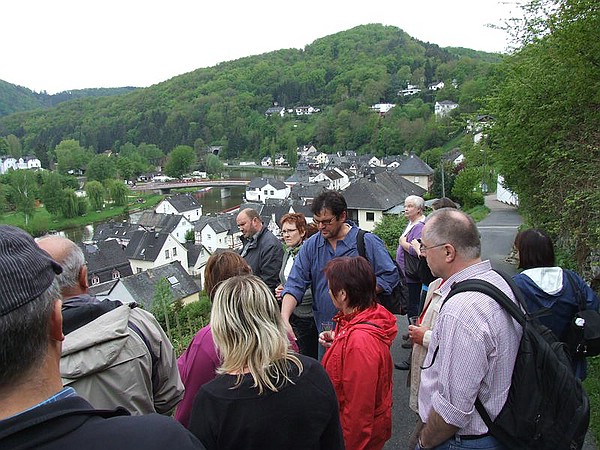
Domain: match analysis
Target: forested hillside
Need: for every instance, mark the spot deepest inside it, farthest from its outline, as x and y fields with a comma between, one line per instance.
x=15, y=98
x=342, y=75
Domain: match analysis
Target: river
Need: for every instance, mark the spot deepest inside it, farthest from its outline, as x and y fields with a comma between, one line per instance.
x=212, y=201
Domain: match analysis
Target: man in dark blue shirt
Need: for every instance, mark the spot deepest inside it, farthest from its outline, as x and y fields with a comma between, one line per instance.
x=336, y=237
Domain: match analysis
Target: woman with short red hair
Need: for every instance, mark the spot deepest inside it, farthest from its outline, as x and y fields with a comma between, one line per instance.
x=358, y=360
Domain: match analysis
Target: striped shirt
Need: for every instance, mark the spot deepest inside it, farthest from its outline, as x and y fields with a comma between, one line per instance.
x=478, y=343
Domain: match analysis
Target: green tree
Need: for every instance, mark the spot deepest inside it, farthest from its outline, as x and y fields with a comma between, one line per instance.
x=190, y=236
x=180, y=161
x=23, y=192
x=70, y=205
x=389, y=230
x=214, y=165
x=3, y=146
x=545, y=135
x=101, y=168
x=466, y=188
x=161, y=303
x=95, y=193
x=52, y=193
x=14, y=146
x=117, y=190
x=70, y=156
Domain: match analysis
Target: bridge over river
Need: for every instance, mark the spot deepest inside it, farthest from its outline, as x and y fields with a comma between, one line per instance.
x=165, y=188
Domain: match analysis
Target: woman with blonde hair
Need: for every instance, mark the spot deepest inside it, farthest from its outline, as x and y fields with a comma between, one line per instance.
x=265, y=396
x=198, y=364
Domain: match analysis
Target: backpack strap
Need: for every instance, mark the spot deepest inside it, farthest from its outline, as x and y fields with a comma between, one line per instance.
x=360, y=243
x=580, y=300
x=153, y=357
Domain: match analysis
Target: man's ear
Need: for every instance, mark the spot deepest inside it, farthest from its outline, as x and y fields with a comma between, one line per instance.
x=83, y=278
x=56, y=322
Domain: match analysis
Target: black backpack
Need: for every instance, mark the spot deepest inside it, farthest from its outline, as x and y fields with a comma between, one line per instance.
x=397, y=301
x=547, y=407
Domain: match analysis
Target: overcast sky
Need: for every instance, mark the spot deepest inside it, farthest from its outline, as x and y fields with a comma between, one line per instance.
x=57, y=45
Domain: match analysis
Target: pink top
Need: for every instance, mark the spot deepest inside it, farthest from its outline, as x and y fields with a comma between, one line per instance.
x=197, y=366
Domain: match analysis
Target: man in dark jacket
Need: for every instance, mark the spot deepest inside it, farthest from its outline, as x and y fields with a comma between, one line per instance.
x=35, y=410
x=261, y=249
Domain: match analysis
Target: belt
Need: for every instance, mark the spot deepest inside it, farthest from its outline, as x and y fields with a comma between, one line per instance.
x=470, y=437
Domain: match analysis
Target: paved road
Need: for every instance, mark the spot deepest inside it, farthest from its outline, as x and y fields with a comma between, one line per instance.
x=498, y=231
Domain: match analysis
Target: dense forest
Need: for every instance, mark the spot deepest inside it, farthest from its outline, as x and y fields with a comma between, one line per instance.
x=342, y=75
x=15, y=98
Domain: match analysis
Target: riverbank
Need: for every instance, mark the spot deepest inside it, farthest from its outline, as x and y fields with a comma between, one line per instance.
x=42, y=222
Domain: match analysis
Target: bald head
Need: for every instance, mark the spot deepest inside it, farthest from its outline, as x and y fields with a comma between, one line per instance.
x=73, y=280
x=249, y=223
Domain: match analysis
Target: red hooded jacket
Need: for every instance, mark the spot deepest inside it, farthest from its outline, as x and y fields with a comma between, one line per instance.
x=360, y=366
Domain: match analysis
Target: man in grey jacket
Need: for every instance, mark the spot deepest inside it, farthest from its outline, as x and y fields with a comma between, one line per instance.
x=114, y=354
x=261, y=249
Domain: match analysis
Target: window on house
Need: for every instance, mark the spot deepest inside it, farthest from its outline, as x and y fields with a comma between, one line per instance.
x=174, y=251
x=370, y=217
x=95, y=280
x=167, y=253
x=272, y=192
x=266, y=191
x=416, y=180
x=116, y=274
x=138, y=270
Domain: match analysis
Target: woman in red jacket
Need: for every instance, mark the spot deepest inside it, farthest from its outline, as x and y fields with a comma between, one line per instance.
x=358, y=361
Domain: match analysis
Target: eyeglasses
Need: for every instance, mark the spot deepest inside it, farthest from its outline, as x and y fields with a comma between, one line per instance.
x=424, y=247
x=291, y=230
x=323, y=222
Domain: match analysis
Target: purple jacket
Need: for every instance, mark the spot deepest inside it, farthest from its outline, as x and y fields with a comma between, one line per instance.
x=197, y=366
x=414, y=233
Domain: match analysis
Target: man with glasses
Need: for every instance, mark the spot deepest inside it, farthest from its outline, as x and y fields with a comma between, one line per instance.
x=261, y=249
x=336, y=237
x=473, y=344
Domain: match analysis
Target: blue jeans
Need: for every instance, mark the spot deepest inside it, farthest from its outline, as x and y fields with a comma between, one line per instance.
x=455, y=442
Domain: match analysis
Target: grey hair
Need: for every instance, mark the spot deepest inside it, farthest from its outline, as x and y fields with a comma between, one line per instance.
x=71, y=264
x=249, y=332
x=449, y=225
x=416, y=201
x=25, y=333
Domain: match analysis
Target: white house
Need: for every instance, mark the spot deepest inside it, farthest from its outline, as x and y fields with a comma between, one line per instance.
x=279, y=160
x=337, y=179
x=307, y=150
x=147, y=250
x=306, y=110
x=177, y=225
x=260, y=189
x=322, y=158
x=275, y=110
x=436, y=86
x=215, y=232
x=444, y=107
x=266, y=161
x=6, y=163
x=183, y=204
x=382, y=108
x=198, y=256
x=411, y=89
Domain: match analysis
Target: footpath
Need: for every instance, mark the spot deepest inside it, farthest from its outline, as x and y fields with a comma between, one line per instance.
x=498, y=231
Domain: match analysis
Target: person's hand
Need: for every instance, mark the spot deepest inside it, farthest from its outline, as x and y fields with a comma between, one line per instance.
x=417, y=246
x=326, y=338
x=416, y=333
x=278, y=291
x=290, y=330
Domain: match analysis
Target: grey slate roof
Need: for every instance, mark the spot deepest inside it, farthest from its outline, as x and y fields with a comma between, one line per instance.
x=114, y=230
x=220, y=223
x=141, y=285
x=308, y=190
x=145, y=245
x=387, y=191
x=183, y=202
x=159, y=221
x=194, y=252
x=260, y=182
x=413, y=165
x=104, y=257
